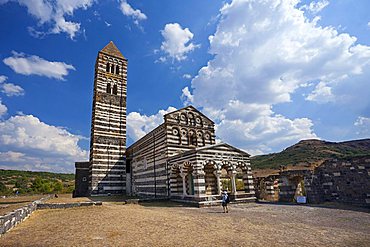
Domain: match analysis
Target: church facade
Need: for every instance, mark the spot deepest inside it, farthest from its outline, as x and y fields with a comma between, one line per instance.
x=179, y=159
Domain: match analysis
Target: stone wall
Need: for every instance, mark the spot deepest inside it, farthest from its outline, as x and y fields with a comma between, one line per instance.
x=346, y=181
x=10, y=220
x=67, y=205
x=81, y=179
x=267, y=188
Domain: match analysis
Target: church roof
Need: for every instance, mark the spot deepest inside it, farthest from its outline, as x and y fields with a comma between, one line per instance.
x=111, y=49
x=222, y=144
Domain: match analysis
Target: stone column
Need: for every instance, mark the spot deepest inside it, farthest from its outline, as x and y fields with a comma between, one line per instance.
x=233, y=183
x=199, y=182
x=218, y=181
x=183, y=176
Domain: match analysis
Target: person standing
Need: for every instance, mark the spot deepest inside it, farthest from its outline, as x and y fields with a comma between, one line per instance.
x=225, y=201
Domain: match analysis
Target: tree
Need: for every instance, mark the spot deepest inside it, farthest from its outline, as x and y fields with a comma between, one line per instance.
x=21, y=184
x=58, y=186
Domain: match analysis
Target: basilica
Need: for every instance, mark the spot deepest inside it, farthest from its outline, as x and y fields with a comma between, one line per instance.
x=178, y=160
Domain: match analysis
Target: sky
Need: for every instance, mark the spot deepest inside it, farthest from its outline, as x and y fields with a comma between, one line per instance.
x=268, y=72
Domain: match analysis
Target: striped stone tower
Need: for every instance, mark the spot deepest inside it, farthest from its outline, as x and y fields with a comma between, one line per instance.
x=107, y=173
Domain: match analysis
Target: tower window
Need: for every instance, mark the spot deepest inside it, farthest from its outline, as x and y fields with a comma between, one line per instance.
x=107, y=67
x=117, y=70
x=112, y=69
x=108, y=88
x=115, y=89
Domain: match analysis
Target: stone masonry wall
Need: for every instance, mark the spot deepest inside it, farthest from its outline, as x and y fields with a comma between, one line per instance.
x=346, y=181
x=10, y=220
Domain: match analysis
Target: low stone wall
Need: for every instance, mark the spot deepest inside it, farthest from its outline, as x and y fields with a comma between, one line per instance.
x=10, y=220
x=67, y=205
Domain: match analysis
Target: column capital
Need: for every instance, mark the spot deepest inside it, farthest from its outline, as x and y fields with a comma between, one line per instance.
x=217, y=173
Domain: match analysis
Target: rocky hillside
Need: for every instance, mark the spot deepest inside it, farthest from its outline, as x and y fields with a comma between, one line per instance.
x=311, y=152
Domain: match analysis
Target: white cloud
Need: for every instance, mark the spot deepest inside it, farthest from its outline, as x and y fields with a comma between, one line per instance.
x=316, y=7
x=266, y=133
x=3, y=78
x=363, y=126
x=139, y=125
x=186, y=96
x=11, y=156
x=34, y=65
x=263, y=52
x=3, y=109
x=10, y=89
x=135, y=14
x=107, y=24
x=186, y=76
x=176, y=42
x=321, y=94
x=54, y=12
x=368, y=24
x=27, y=141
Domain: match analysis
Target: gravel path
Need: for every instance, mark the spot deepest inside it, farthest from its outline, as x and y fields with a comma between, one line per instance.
x=169, y=224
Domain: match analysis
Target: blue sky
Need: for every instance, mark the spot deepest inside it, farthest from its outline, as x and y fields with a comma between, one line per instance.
x=269, y=73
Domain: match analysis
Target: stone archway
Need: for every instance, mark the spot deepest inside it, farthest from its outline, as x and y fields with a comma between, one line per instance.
x=240, y=180
x=210, y=179
x=291, y=187
x=189, y=179
x=226, y=181
x=176, y=186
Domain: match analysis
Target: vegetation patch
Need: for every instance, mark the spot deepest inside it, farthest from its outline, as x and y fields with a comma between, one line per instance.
x=311, y=153
x=28, y=183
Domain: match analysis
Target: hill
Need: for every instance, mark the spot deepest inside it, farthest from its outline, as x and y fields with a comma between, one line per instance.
x=27, y=182
x=308, y=153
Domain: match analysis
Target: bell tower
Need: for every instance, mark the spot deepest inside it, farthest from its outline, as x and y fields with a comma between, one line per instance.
x=107, y=174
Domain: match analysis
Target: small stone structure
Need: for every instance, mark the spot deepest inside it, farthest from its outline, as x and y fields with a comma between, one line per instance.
x=10, y=220
x=345, y=180
x=81, y=179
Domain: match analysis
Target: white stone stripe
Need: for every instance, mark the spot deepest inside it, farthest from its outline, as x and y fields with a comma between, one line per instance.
x=140, y=180
x=110, y=160
x=151, y=186
x=107, y=171
x=114, y=188
x=110, y=182
x=108, y=175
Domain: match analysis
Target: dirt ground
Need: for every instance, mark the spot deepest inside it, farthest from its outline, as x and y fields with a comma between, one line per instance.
x=9, y=204
x=171, y=224
x=66, y=198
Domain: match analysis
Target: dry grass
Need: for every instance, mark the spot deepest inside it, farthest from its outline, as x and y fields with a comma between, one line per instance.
x=170, y=224
x=9, y=204
x=67, y=198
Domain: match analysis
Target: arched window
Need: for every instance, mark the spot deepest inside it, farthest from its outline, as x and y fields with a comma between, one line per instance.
x=112, y=69
x=107, y=67
x=192, y=138
x=115, y=89
x=117, y=69
x=108, y=88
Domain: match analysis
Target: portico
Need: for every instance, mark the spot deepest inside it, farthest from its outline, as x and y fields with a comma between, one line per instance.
x=201, y=174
